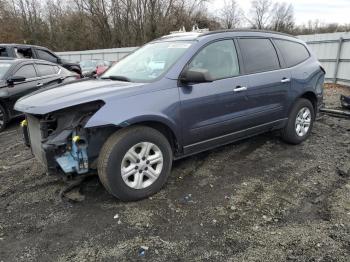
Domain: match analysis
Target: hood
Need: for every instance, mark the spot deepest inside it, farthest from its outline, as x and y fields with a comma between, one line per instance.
x=68, y=62
x=88, y=69
x=63, y=96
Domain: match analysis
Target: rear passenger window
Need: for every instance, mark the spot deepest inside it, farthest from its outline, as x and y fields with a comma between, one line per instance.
x=56, y=69
x=45, y=55
x=293, y=53
x=259, y=55
x=45, y=70
x=27, y=71
x=219, y=58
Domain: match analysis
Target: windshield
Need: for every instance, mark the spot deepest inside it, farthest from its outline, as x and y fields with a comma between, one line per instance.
x=3, y=69
x=149, y=62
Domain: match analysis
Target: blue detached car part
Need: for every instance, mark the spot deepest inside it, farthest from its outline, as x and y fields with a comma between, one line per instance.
x=76, y=159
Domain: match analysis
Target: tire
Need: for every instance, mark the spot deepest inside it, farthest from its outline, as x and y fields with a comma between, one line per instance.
x=3, y=118
x=291, y=133
x=121, y=152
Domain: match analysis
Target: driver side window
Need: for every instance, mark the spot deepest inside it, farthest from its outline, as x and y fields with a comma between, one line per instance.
x=219, y=58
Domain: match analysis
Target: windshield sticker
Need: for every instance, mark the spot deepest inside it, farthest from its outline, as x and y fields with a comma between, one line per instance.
x=179, y=45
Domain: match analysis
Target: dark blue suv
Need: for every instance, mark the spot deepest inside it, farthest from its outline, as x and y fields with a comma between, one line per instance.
x=175, y=96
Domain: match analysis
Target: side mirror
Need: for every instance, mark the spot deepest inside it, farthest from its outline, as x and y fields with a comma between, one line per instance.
x=59, y=60
x=196, y=75
x=16, y=79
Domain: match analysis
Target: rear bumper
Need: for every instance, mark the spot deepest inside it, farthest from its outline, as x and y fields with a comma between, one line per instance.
x=320, y=103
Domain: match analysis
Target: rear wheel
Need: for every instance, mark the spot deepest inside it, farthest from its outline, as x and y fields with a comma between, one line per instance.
x=135, y=163
x=300, y=122
x=3, y=118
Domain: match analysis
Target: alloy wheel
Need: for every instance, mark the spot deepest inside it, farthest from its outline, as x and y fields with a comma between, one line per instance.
x=141, y=165
x=2, y=118
x=303, y=121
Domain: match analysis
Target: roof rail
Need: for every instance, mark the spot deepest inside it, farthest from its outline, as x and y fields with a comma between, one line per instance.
x=195, y=29
x=245, y=30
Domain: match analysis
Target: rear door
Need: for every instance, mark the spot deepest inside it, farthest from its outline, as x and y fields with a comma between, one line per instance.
x=269, y=84
x=211, y=110
x=48, y=74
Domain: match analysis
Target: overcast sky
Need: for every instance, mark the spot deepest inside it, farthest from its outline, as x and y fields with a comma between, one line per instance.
x=327, y=11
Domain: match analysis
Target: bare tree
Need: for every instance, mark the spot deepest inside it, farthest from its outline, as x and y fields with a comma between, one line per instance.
x=9, y=29
x=90, y=24
x=231, y=15
x=260, y=14
x=282, y=18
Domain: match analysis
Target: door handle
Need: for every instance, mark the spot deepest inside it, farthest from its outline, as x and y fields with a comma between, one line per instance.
x=39, y=84
x=285, y=80
x=240, y=89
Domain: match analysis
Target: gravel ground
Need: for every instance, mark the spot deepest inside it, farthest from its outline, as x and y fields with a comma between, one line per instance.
x=257, y=200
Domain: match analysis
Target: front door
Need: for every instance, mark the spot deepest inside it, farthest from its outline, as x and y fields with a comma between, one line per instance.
x=20, y=89
x=210, y=110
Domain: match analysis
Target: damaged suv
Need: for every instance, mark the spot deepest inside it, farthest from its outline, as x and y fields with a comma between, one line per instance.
x=174, y=97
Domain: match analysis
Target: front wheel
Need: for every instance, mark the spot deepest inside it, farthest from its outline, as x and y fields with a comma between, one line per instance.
x=300, y=122
x=3, y=118
x=135, y=163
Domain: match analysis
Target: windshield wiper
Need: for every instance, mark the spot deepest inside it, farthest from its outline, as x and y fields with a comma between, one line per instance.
x=117, y=78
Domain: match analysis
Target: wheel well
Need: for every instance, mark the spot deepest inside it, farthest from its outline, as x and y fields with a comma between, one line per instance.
x=101, y=134
x=312, y=98
x=165, y=130
x=3, y=104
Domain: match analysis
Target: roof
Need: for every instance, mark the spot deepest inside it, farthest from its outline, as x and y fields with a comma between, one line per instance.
x=22, y=60
x=23, y=45
x=183, y=34
x=8, y=60
x=197, y=35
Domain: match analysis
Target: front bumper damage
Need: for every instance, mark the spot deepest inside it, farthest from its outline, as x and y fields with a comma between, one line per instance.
x=59, y=140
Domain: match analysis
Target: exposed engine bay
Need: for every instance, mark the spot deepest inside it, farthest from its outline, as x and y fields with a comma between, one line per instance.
x=65, y=145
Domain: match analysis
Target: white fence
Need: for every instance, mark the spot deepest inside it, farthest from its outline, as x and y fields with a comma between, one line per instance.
x=333, y=51
x=113, y=54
